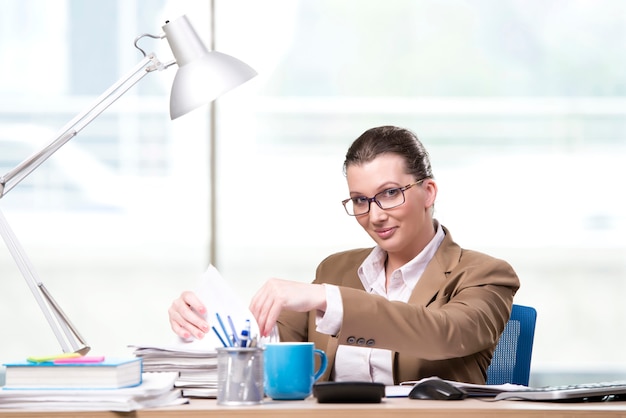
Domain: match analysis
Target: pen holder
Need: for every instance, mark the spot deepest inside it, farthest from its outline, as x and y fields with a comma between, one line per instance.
x=239, y=376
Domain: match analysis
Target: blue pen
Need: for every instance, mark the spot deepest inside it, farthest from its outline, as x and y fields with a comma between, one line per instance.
x=245, y=336
x=219, y=336
x=232, y=328
x=219, y=319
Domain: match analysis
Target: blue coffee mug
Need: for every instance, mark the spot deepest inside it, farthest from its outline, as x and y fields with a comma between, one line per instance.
x=289, y=370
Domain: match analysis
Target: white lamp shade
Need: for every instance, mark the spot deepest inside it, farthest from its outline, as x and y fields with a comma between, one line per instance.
x=204, y=80
x=202, y=75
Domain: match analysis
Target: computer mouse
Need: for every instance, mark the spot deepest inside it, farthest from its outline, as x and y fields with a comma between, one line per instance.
x=437, y=389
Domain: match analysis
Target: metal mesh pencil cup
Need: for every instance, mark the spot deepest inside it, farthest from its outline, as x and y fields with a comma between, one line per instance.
x=239, y=376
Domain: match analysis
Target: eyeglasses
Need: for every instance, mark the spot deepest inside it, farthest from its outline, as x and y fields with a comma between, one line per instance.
x=387, y=199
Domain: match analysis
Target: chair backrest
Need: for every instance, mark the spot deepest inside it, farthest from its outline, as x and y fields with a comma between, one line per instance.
x=511, y=359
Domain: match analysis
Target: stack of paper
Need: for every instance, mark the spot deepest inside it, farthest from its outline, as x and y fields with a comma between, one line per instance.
x=156, y=390
x=174, y=358
x=196, y=360
x=195, y=368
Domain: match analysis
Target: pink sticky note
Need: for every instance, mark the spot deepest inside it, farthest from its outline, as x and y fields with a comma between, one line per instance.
x=83, y=359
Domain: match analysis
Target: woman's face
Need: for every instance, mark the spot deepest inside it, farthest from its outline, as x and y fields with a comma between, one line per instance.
x=402, y=231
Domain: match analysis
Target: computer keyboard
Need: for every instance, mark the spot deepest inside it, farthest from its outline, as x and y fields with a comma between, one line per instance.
x=602, y=391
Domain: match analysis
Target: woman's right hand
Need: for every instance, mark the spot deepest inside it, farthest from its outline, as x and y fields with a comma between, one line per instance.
x=186, y=316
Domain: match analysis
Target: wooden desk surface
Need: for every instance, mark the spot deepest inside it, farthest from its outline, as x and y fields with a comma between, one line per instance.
x=390, y=407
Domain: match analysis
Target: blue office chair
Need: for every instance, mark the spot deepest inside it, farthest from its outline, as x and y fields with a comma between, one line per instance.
x=511, y=360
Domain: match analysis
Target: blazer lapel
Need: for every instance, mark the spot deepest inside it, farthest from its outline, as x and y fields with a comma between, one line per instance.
x=445, y=259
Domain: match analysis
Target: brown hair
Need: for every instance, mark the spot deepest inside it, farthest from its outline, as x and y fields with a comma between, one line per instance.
x=390, y=140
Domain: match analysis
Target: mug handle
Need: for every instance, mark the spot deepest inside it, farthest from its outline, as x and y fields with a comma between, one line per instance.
x=323, y=365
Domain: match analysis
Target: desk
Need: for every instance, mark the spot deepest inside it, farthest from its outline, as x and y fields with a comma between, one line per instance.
x=390, y=407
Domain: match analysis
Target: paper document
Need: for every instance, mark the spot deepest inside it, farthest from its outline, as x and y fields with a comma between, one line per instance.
x=472, y=389
x=157, y=389
x=218, y=297
x=196, y=360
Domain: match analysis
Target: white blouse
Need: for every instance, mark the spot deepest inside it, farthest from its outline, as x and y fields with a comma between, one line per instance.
x=363, y=363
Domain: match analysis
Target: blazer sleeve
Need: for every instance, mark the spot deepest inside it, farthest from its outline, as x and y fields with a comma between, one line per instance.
x=459, y=307
x=339, y=269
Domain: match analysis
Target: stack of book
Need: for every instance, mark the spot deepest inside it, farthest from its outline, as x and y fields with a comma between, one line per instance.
x=196, y=369
x=88, y=383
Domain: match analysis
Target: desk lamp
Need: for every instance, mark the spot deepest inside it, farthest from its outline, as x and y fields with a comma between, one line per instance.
x=202, y=77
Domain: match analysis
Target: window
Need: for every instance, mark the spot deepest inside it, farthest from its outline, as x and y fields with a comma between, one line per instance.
x=520, y=105
x=116, y=222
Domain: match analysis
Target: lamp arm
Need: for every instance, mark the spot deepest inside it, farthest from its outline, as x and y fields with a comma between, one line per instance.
x=186, y=47
x=64, y=331
x=148, y=64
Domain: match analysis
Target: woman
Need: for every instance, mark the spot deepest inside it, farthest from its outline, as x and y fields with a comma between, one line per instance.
x=416, y=305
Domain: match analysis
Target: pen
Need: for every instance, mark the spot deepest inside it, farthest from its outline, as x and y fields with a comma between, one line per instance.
x=219, y=319
x=219, y=336
x=248, y=328
x=244, y=338
x=232, y=328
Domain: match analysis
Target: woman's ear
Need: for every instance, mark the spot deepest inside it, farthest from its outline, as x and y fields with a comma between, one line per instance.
x=430, y=190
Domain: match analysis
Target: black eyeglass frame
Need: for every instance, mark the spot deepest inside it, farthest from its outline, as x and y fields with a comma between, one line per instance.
x=375, y=200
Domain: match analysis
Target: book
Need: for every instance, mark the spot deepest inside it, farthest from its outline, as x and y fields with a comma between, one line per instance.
x=155, y=390
x=110, y=373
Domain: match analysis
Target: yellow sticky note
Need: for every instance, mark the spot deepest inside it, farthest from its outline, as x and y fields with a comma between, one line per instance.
x=43, y=359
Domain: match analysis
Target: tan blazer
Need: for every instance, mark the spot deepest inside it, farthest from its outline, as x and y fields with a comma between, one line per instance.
x=449, y=327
